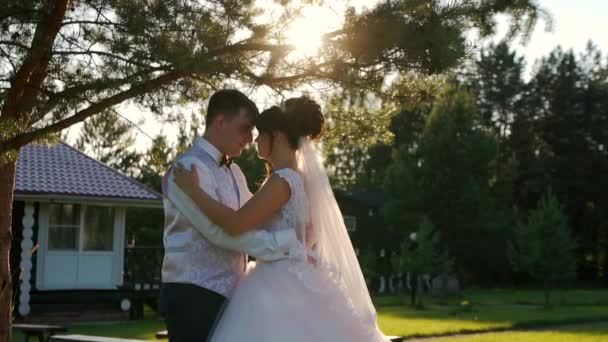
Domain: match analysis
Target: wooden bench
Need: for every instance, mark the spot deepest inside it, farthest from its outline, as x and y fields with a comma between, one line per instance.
x=89, y=338
x=163, y=334
x=42, y=331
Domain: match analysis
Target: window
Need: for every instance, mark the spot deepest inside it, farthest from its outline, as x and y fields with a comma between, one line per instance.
x=64, y=227
x=73, y=227
x=98, y=229
x=350, y=222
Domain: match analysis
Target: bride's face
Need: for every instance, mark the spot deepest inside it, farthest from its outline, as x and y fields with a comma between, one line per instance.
x=263, y=141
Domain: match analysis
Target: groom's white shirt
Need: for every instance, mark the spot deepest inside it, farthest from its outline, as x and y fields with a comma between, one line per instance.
x=196, y=250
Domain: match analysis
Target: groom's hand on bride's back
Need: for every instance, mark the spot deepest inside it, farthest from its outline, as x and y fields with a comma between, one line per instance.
x=312, y=260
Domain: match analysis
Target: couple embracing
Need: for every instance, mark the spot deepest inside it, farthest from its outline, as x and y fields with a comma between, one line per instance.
x=306, y=284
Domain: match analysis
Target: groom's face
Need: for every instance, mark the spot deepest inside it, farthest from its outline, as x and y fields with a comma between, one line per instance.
x=237, y=132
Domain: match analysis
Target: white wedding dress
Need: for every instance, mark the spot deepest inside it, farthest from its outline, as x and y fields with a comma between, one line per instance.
x=292, y=300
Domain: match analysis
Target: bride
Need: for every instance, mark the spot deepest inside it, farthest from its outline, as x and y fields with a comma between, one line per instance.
x=318, y=293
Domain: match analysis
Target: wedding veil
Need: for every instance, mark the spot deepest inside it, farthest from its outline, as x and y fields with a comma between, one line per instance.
x=332, y=246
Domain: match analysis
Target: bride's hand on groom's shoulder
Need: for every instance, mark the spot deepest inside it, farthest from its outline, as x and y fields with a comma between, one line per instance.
x=186, y=179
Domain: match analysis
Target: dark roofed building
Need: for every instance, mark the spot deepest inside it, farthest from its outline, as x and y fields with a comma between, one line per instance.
x=364, y=220
x=65, y=172
x=73, y=208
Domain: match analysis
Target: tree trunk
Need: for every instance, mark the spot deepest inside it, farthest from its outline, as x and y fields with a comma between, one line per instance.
x=444, y=286
x=7, y=183
x=547, y=293
x=605, y=268
x=414, y=287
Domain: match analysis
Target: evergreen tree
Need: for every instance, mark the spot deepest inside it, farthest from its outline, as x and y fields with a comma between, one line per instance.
x=496, y=79
x=422, y=255
x=448, y=179
x=109, y=139
x=369, y=264
x=351, y=131
x=544, y=246
x=560, y=145
x=188, y=131
x=145, y=225
x=65, y=61
x=253, y=167
x=156, y=162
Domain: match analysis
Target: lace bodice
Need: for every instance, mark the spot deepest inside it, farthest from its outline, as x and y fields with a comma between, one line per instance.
x=295, y=213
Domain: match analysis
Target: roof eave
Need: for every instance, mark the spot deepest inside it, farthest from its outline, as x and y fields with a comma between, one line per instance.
x=69, y=198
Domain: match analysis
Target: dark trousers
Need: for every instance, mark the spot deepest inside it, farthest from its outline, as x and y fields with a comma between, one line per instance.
x=190, y=311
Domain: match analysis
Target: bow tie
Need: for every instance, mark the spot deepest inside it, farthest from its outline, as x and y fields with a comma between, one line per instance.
x=225, y=161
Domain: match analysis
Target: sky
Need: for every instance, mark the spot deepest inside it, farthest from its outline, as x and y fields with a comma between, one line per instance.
x=575, y=22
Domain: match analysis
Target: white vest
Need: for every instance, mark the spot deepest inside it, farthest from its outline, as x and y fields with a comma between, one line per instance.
x=189, y=257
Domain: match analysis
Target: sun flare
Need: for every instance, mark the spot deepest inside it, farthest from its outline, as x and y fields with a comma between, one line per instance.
x=306, y=32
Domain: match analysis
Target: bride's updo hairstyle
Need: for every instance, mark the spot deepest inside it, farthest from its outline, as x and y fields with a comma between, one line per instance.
x=301, y=117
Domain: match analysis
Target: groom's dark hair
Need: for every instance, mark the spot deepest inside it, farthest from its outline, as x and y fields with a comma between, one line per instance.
x=228, y=102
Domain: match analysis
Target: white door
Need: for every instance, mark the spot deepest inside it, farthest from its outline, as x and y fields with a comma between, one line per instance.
x=81, y=246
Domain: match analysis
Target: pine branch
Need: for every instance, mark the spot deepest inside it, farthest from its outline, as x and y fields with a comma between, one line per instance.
x=33, y=70
x=25, y=138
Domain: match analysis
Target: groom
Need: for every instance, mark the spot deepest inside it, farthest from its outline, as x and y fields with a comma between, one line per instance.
x=202, y=264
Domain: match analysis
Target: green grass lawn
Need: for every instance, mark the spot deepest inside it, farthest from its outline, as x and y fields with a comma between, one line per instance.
x=535, y=297
x=588, y=333
x=404, y=321
x=143, y=330
x=575, y=297
x=490, y=309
